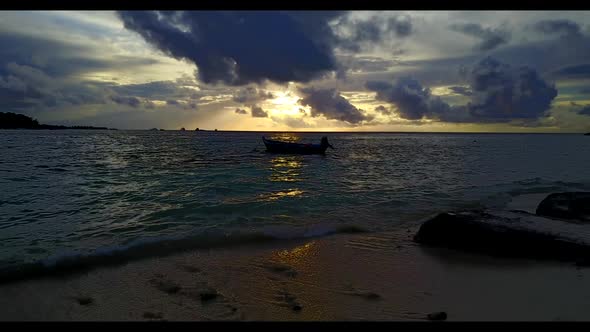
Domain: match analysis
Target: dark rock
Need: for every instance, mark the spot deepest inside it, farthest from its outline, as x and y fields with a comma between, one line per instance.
x=587, y=134
x=568, y=205
x=296, y=307
x=508, y=234
x=441, y=315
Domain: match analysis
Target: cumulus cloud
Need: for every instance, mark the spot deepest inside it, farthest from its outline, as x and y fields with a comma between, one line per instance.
x=490, y=38
x=502, y=92
x=413, y=101
x=330, y=104
x=499, y=93
x=237, y=48
x=251, y=95
x=258, y=112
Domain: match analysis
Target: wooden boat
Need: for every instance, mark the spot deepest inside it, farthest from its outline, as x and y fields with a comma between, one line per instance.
x=298, y=148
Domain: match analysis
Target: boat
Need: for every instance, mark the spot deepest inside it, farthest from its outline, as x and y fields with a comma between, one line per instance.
x=298, y=148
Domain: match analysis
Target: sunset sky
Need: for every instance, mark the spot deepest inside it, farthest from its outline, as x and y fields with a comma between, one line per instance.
x=509, y=71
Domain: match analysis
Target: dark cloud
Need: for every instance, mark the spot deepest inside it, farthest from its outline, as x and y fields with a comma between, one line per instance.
x=413, y=101
x=129, y=101
x=461, y=90
x=383, y=110
x=561, y=26
x=240, y=111
x=258, y=112
x=25, y=87
x=581, y=109
x=500, y=93
x=251, y=95
x=60, y=59
x=584, y=110
x=329, y=103
x=154, y=90
x=546, y=56
x=490, y=38
x=401, y=25
x=575, y=71
x=237, y=48
x=356, y=35
x=38, y=74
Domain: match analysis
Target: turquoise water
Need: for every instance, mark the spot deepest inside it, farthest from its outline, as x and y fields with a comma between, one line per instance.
x=73, y=192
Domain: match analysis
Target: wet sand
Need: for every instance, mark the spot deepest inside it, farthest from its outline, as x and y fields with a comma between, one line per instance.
x=367, y=276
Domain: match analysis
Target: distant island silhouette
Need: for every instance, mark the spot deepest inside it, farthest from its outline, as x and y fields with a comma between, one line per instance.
x=10, y=120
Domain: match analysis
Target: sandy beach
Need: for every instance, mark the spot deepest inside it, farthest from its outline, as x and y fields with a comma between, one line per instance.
x=368, y=276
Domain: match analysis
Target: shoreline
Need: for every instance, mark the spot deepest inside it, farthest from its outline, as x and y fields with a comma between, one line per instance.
x=365, y=276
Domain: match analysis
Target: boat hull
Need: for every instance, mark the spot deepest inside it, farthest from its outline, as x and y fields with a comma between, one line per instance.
x=293, y=148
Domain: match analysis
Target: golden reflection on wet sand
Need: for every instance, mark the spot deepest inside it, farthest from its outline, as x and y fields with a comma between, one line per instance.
x=298, y=256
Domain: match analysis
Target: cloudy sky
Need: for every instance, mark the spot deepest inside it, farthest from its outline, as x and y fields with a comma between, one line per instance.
x=301, y=71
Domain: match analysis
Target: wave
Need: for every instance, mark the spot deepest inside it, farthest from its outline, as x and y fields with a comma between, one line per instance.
x=71, y=262
x=499, y=195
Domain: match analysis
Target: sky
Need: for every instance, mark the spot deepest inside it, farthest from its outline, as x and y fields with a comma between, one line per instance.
x=457, y=71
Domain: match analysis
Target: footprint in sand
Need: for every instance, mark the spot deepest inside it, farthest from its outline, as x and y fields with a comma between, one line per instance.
x=279, y=268
x=286, y=299
x=350, y=290
x=165, y=285
x=83, y=300
x=189, y=268
x=152, y=315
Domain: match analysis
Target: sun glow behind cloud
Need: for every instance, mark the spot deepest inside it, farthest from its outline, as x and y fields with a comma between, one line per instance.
x=100, y=70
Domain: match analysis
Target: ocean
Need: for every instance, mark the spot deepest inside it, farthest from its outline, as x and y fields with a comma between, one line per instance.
x=72, y=195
